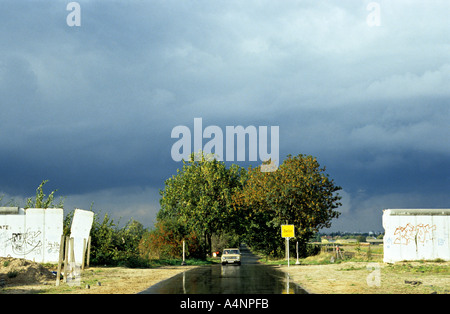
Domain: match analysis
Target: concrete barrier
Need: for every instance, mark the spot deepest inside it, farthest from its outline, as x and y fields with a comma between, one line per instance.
x=35, y=233
x=416, y=234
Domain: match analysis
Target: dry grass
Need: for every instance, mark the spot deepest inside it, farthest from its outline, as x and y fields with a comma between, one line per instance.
x=318, y=275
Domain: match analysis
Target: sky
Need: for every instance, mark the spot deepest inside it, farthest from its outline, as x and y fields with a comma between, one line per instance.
x=361, y=85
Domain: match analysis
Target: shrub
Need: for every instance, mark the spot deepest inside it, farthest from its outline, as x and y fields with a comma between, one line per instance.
x=114, y=246
x=165, y=241
x=12, y=274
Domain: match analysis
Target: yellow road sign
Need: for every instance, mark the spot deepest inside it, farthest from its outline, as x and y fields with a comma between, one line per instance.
x=287, y=231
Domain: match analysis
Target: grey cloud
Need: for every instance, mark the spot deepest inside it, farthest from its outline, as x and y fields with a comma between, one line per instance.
x=92, y=108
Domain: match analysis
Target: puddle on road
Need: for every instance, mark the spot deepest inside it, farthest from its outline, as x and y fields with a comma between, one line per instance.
x=230, y=279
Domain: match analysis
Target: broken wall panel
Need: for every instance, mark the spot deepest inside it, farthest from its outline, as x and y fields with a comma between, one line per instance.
x=416, y=234
x=80, y=230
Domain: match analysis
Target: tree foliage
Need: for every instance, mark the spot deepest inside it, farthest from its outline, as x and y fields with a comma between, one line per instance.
x=40, y=202
x=299, y=192
x=165, y=242
x=199, y=197
x=209, y=199
x=116, y=246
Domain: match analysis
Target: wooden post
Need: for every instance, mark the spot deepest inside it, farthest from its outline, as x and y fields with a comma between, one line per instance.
x=84, y=254
x=60, y=260
x=66, y=259
x=72, y=257
x=88, y=252
x=72, y=250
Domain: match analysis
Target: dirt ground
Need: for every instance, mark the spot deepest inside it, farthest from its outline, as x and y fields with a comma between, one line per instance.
x=18, y=276
x=19, y=271
x=120, y=280
x=360, y=278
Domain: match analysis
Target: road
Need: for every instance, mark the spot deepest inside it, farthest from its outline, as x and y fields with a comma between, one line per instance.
x=250, y=277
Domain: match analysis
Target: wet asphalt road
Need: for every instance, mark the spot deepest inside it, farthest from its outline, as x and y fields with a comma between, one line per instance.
x=250, y=277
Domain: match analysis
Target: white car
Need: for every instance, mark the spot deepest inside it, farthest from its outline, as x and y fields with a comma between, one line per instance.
x=231, y=256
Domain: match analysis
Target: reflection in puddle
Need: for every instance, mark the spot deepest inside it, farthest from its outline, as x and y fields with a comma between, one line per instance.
x=229, y=271
x=250, y=277
x=217, y=279
x=289, y=286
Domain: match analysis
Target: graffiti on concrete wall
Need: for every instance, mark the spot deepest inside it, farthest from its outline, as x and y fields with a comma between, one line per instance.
x=420, y=233
x=27, y=242
x=35, y=233
x=416, y=234
x=52, y=247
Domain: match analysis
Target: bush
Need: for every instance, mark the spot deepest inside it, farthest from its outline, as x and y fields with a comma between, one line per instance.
x=165, y=241
x=312, y=249
x=114, y=246
x=40, y=202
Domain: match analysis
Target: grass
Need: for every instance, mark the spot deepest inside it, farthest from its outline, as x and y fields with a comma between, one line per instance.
x=420, y=267
x=12, y=274
x=349, y=275
x=177, y=262
x=350, y=253
x=152, y=263
x=353, y=268
x=320, y=259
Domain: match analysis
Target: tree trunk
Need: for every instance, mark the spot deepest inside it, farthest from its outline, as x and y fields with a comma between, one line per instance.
x=208, y=244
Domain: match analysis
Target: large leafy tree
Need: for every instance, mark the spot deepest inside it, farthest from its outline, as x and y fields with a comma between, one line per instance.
x=199, y=196
x=299, y=192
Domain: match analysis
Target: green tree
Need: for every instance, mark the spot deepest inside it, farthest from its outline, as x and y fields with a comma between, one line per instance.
x=299, y=192
x=103, y=241
x=116, y=246
x=199, y=196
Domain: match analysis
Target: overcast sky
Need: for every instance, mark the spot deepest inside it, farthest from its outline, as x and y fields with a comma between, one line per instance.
x=91, y=107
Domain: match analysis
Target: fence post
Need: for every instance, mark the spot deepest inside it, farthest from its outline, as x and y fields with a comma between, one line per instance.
x=84, y=254
x=66, y=259
x=88, y=252
x=60, y=259
x=72, y=250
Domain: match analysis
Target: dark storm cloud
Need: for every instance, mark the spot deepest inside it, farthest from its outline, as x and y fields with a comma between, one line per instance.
x=92, y=108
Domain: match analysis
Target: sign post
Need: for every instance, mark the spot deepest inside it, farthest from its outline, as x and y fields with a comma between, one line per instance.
x=287, y=232
x=183, y=263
